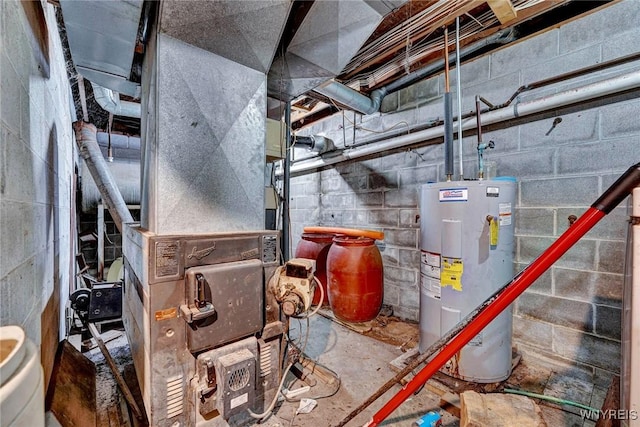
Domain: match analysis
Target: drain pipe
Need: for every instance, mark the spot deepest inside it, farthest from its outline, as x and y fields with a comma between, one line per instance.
x=110, y=101
x=90, y=152
x=368, y=105
x=588, y=92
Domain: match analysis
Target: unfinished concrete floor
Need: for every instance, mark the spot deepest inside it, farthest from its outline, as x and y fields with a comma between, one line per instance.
x=363, y=365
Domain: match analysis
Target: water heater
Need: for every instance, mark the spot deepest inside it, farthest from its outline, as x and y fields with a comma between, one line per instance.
x=467, y=250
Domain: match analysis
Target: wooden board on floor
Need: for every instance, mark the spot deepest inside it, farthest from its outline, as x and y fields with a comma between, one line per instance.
x=611, y=402
x=72, y=391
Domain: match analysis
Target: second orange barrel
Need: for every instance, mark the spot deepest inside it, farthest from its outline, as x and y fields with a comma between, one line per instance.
x=355, y=278
x=316, y=246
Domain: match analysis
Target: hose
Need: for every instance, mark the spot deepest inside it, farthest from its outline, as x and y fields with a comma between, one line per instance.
x=275, y=398
x=315, y=311
x=550, y=399
x=351, y=232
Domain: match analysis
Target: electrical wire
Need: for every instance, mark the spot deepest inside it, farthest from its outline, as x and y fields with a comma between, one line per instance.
x=268, y=411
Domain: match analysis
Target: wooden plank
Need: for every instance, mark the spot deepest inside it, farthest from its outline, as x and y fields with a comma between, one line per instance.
x=611, y=402
x=503, y=9
x=497, y=409
x=72, y=392
x=50, y=327
x=450, y=402
x=116, y=372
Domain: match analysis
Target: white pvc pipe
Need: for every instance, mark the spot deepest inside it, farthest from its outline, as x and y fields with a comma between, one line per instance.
x=634, y=353
x=516, y=109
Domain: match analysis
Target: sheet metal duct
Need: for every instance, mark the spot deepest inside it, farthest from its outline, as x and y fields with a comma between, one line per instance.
x=326, y=40
x=126, y=176
x=102, y=38
x=246, y=32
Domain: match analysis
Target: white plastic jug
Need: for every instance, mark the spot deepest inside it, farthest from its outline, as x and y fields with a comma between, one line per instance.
x=21, y=380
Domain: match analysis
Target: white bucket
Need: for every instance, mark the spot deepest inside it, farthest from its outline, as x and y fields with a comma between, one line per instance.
x=21, y=380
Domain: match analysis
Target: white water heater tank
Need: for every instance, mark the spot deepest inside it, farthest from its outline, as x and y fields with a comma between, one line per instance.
x=467, y=252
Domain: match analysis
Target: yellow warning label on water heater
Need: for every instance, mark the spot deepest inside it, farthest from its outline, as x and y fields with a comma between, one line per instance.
x=451, y=273
x=493, y=232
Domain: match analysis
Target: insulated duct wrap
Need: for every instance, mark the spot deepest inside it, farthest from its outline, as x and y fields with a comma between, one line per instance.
x=126, y=176
x=97, y=165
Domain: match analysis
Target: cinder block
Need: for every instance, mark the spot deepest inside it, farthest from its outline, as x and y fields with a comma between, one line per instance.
x=391, y=294
x=383, y=180
x=613, y=226
x=524, y=54
x=389, y=255
x=559, y=192
x=565, y=63
x=589, y=286
x=580, y=256
x=471, y=73
x=400, y=120
x=586, y=348
x=344, y=201
x=400, y=276
x=543, y=284
x=574, y=129
x=602, y=156
x=400, y=237
x=596, y=27
x=403, y=198
x=418, y=175
x=534, y=221
x=371, y=199
x=406, y=313
x=560, y=311
x=409, y=258
x=11, y=235
x=312, y=202
x=410, y=298
x=622, y=45
x=608, y=322
x=384, y=217
x=506, y=140
x=530, y=164
x=532, y=332
x=396, y=161
x=409, y=218
x=331, y=185
x=611, y=256
x=616, y=120
x=356, y=183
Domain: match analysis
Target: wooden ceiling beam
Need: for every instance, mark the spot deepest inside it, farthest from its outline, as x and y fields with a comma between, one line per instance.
x=503, y=9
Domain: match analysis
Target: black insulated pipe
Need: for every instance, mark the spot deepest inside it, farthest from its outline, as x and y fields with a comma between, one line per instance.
x=619, y=190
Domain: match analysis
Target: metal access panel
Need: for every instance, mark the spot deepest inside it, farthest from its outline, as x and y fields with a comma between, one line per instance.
x=235, y=291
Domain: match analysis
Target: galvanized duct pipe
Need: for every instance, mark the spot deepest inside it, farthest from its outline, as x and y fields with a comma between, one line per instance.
x=371, y=104
x=110, y=101
x=90, y=152
x=514, y=110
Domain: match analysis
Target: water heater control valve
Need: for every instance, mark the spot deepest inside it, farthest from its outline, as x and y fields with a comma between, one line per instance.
x=293, y=286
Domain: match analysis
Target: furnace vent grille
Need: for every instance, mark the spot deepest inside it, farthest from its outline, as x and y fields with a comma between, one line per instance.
x=239, y=379
x=175, y=396
x=265, y=361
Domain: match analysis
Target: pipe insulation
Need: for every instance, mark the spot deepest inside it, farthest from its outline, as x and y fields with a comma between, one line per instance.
x=516, y=109
x=97, y=165
x=126, y=175
x=110, y=101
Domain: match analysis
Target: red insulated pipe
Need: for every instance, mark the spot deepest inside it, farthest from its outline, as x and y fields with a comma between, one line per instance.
x=605, y=204
x=517, y=286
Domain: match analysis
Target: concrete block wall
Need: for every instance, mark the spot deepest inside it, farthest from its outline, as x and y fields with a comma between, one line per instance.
x=36, y=174
x=572, y=313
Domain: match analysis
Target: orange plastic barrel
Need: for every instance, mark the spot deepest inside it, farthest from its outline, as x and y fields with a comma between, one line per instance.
x=355, y=277
x=316, y=246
